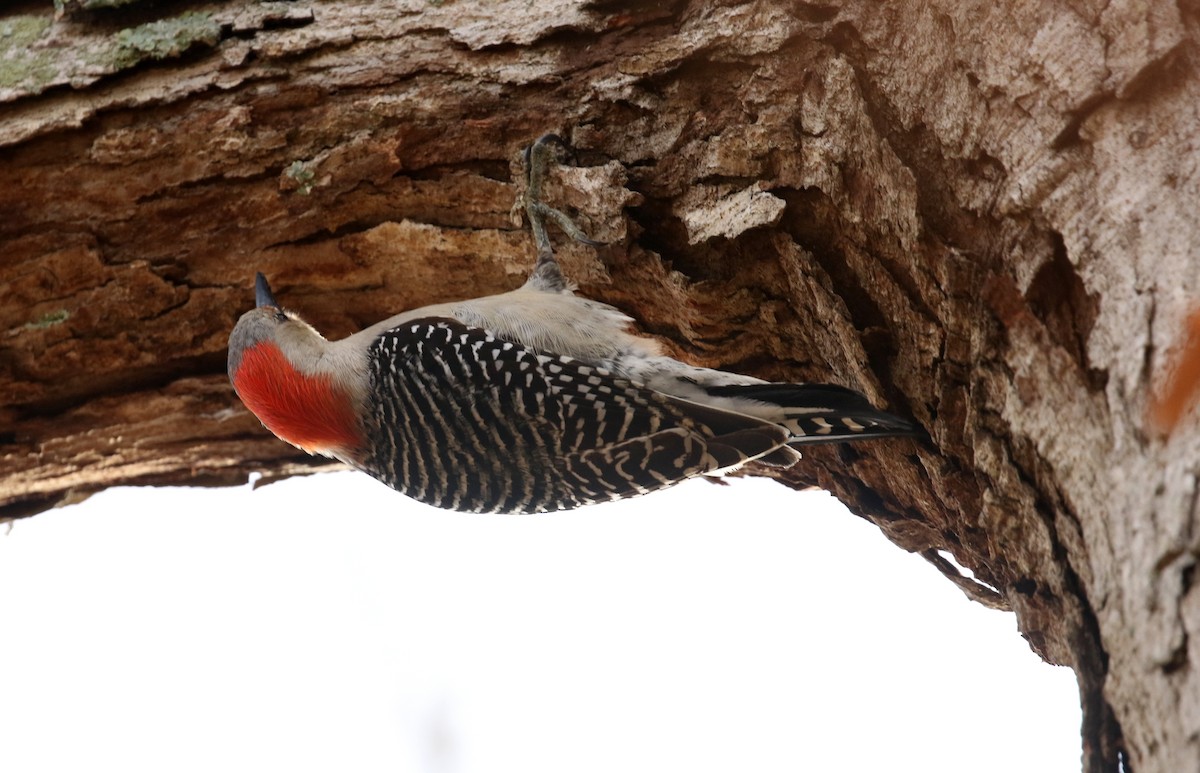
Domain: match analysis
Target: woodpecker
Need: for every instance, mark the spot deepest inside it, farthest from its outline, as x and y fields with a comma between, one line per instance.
x=533, y=400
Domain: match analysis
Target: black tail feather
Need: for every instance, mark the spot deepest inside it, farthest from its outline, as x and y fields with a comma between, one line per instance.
x=837, y=427
x=829, y=396
x=822, y=413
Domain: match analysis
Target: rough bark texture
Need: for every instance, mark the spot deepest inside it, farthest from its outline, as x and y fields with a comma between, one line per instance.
x=982, y=216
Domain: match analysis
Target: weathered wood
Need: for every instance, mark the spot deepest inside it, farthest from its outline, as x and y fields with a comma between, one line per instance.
x=980, y=214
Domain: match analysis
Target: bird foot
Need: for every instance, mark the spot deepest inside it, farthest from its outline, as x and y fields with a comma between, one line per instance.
x=539, y=157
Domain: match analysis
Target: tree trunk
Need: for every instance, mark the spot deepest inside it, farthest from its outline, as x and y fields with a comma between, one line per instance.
x=981, y=216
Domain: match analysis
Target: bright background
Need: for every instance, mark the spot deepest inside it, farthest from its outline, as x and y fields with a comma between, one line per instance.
x=329, y=624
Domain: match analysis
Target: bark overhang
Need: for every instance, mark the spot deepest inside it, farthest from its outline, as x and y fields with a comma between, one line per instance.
x=935, y=205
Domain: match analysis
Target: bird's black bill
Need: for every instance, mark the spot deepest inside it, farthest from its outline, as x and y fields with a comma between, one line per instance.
x=262, y=292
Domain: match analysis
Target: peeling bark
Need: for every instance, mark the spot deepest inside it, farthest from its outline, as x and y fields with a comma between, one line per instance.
x=979, y=214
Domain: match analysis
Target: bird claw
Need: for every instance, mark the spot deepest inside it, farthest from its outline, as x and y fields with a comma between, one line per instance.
x=564, y=222
x=538, y=158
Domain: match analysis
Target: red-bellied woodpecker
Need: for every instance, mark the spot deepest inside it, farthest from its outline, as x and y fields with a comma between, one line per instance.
x=528, y=401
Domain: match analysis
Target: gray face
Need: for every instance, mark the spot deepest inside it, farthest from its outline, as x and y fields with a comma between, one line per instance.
x=259, y=324
x=256, y=325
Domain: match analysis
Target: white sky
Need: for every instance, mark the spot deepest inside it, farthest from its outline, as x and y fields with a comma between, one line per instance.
x=329, y=624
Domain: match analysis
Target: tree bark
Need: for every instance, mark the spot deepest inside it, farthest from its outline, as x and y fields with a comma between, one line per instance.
x=982, y=215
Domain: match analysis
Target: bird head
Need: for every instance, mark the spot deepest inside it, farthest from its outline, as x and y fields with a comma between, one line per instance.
x=275, y=366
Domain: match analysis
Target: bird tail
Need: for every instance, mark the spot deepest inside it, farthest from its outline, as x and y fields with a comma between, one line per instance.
x=820, y=413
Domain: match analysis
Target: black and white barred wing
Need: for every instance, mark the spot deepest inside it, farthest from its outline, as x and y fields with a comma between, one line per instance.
x=466, y=421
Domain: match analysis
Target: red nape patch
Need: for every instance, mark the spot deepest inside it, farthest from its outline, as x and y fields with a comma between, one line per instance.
x=307, y=411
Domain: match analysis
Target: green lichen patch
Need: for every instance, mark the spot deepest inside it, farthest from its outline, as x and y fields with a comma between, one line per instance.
x=49, y=319
x=166, y=38
x=72, y=6
x=303, y=176
x=36, y=55
x=21, y=62
x=22, y=30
